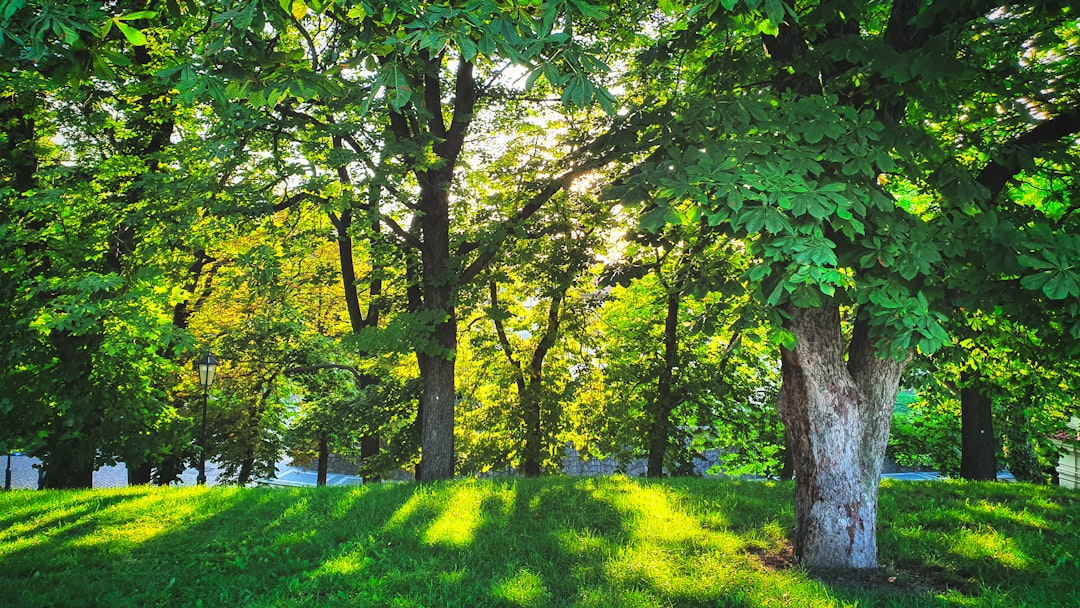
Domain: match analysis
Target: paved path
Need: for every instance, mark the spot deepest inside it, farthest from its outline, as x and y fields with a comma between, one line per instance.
x=934, y=475
x=25, y=477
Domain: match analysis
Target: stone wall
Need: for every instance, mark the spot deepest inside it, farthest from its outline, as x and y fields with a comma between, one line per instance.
x=574, y=465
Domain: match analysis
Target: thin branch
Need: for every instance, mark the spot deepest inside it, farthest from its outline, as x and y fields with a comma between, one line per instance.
x=410, y=239
x=315, y=66
x=504, y=342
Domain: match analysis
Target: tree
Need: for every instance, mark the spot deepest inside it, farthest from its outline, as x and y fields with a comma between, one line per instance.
x=690, y=270
x=93, y=228
x=808, y=122
x=430, y=70
x=1025, y=394
x=551, y=263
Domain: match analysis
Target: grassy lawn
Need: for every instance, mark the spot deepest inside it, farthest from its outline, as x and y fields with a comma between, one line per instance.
x=517, y=542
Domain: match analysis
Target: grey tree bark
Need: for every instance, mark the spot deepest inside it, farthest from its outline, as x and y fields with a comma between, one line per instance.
x=837, y=412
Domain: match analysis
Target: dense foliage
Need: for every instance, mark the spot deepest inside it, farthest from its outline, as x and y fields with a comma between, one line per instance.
x=459, y=237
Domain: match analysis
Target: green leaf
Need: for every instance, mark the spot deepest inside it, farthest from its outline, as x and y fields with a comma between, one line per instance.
x=467, y=46
x=813, y=133
x=1060, y=286
x=138, y=15
x=774, y=10
x=299, y=9
x=775, y=222
x=134, y=36
x=592, y=11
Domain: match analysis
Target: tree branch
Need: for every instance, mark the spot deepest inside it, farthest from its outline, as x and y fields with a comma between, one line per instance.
x=409, y=239
x=504, y=342
x=997, y=173
x=530, y=208
x=433, y=94
x=465, y=94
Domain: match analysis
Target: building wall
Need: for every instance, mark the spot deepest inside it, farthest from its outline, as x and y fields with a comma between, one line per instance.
x=1069, y=463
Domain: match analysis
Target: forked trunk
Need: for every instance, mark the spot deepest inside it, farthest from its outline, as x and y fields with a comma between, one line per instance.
x=836, y=415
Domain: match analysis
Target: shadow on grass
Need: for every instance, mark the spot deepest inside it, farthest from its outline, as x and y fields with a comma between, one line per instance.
x=21, y=516
x=511, y=542
x=516, y=542
x=962, y=543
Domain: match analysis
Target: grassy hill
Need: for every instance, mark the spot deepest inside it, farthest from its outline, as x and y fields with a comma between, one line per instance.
x=517, y=542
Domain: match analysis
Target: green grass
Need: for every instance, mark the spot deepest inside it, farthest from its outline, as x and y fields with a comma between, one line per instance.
x=517, y=542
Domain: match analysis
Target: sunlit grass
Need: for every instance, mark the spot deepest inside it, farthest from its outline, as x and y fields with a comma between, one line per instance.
x=601, y=542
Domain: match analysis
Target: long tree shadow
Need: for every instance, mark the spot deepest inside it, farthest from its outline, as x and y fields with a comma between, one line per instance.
x=21, y=517
x=499, y=543
x=187, y=548
x=511, y=542
x=515, y=542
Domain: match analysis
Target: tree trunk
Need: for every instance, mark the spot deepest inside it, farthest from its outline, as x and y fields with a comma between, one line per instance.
x=169, y=469
x=787, y=467
x=370, y=446
x=436, y=360
x=324, y=460
x=836, y=416
x=70, y=465
x=978, y=449
x=247, y=467
x=530, y=410
x=72, y=450
x=139, y=475
x=663, y=405
x=436, y=418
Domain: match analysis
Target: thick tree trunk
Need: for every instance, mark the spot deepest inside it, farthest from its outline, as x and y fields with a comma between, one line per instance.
x=436, y=360
x=139, y=475
x=70, y=465
x=72, y=450
x=836, y=415
x=436, y=418
x=663, y=405
x=978, y=449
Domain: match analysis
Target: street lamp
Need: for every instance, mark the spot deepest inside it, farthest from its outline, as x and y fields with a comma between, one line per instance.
x=207, y=367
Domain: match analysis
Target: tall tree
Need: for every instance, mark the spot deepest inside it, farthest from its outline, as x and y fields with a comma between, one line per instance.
x=811, y=116
x=93, y=289
x=429, y=70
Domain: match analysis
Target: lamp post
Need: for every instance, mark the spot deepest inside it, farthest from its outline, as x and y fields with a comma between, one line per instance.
x=207, y=366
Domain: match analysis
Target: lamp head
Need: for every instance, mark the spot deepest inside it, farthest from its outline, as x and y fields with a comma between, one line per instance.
x=207, y=368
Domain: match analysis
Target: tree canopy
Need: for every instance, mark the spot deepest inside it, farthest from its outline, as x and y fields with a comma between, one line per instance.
x=461, y=236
